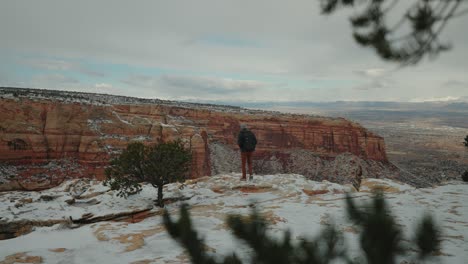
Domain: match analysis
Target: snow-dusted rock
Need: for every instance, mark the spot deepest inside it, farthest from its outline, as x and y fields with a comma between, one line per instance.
x=288, y=201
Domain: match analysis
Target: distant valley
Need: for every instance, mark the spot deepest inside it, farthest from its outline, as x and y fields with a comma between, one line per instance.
x=422, y=138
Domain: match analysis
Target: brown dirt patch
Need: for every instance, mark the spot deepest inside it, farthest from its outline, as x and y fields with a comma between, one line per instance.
x=350, y=229
x=315, y=192
x=194, y=181
x=253, y=189
x=272, y=207
x=313, y=199
x=57, y=250
x=25, y=200
x=374, y=186
x=218, y=189
x=138, y=217
x=137, y=240
x=26, y=229
x=272, y=218
x=440, y=253
x=99, y=233
x=21, y=257
x=237, y=206
x=144, y=261
x=134, y=240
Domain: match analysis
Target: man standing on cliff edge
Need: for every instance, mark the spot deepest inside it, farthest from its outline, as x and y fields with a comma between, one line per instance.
x=247, y=142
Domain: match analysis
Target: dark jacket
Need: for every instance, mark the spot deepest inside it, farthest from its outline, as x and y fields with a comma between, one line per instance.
x=246, y=140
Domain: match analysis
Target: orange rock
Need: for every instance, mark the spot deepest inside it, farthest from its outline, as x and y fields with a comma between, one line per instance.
x=58, y=250
x=21, y=257
x=315, y=192
x=253, y=189
x=81, y=138
x=138, y=217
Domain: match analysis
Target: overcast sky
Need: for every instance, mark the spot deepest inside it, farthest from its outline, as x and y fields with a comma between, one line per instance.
x=240, y=50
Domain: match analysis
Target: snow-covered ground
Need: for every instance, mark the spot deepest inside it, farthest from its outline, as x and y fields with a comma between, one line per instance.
x=287, y=201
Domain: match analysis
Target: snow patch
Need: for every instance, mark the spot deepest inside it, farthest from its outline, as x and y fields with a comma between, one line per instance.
x=288, y=201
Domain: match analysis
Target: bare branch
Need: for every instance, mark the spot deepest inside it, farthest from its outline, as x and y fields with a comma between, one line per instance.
x=391, y=6
x=461, y=13
x=426, y=18
x=426, y=45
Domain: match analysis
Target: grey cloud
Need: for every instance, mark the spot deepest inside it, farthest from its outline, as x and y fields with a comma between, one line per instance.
x=374, y=79
x=371, y=72
x=91, y=72
x=372, y=85
x=455, y=84
x=50, y=64
x=62, y=65
x=299, y=43
x=140, y=81
x=53, y=79
x=147, y=33
x=178, y=86
x=211, y=84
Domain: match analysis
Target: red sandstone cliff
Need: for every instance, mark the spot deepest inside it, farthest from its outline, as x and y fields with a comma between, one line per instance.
x=45, y=140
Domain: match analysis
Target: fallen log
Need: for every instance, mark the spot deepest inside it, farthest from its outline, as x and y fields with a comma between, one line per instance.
x=22, y=227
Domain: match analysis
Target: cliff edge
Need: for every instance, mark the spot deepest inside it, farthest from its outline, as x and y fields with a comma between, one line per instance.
x=47, y=136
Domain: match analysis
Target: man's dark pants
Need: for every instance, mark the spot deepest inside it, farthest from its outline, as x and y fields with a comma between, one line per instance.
x=246, y=157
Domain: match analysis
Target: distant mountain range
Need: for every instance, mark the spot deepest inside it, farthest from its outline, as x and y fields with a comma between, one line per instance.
x=453, y=113
x=461, y=104
x=448, y=104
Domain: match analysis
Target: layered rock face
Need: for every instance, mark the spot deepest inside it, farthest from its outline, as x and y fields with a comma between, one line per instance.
x=45, y=138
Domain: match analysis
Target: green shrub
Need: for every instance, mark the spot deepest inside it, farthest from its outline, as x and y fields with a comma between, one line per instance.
x=158, y=165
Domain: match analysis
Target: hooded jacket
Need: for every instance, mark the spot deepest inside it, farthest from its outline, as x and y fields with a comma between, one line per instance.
x=246, y=140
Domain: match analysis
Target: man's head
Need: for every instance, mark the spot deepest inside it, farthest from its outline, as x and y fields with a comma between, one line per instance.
x=243, y=126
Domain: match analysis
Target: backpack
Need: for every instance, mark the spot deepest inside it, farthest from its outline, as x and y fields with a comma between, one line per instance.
x=249, y=141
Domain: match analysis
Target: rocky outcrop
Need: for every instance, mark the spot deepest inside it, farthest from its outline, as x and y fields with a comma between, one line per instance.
x=21, y=227
x=72, y=204
x=14, y=229
x=46, y=137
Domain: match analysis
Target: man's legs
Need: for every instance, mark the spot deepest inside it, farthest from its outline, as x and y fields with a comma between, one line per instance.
x=249, y=162
x=243, y=159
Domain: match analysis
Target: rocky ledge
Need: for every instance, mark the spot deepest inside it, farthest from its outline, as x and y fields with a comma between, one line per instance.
x=49, y=136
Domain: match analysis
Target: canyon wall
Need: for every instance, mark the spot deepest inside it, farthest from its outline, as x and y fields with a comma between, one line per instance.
x=44, y=139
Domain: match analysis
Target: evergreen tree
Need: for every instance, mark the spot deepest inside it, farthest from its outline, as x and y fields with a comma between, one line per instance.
x=183, y=232
x=158, y=165
x=381, y=239
x=380, y=236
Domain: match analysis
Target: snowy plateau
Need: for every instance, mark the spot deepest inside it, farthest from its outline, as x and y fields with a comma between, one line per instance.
x=287, y=201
